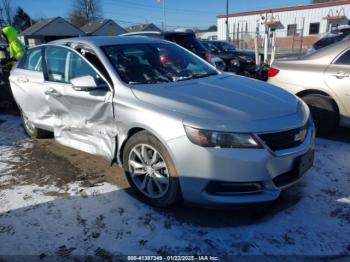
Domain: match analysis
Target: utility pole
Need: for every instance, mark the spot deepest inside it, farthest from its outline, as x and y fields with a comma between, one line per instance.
x=227, y=29
x=164, y=17
x=88, y=10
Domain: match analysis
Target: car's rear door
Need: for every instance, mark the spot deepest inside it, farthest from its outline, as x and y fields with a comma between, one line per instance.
x=337, y=77
x=83, y=119
x=28, y=88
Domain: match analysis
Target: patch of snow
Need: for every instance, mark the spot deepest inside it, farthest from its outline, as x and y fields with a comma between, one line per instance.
x=12, y=139
x=107, y=217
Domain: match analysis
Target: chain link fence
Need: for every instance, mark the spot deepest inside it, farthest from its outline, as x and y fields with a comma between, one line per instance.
x=289, y=43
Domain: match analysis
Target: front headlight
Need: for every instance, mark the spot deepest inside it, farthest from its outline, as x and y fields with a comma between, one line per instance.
x=208, y=138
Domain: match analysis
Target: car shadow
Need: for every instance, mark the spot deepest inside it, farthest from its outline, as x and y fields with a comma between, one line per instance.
x=341, y=134
x=71, y=223
x=238, y=214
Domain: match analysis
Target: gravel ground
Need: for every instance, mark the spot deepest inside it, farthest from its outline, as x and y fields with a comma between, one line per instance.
x=62, y=203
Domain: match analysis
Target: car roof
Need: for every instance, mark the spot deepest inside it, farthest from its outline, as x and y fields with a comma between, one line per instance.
x=143, y=32
x=109, y=40
x=164, y=33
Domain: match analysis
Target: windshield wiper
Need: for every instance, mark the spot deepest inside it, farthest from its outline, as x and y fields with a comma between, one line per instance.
x=150, y=81
x=194, y=76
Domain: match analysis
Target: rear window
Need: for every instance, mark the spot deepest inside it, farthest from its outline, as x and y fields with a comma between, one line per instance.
x=328, y=41
x=187, y=41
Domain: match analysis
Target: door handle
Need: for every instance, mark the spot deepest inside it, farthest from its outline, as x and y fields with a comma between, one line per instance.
x=53, y=92
x=22, y=79
x=341, y=75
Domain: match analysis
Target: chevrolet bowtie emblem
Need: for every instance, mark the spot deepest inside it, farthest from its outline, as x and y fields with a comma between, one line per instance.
x=299, y=137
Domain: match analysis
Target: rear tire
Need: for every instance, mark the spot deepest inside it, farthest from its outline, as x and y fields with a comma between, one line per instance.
x=324, y=112
x=138, y=163
x=31, y=130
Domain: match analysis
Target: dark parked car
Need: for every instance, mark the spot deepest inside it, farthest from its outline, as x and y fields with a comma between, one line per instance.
x=185, y=39
x=238, y=61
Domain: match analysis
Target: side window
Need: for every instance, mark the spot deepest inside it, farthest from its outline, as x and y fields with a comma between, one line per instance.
x=55, y=58
x=79, y=67
x=344, y=59
x=32, y=60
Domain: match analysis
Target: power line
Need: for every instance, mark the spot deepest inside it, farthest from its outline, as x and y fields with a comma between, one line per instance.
x=138, y=22
x=128, y=4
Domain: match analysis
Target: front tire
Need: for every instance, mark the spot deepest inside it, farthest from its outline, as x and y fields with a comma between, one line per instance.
x=324, y=112
x=151, y=171
x=31, y=130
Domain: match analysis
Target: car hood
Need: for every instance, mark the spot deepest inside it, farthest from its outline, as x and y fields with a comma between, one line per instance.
x=220, y=99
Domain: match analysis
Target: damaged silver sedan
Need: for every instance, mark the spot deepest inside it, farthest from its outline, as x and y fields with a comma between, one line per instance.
x=180, y=129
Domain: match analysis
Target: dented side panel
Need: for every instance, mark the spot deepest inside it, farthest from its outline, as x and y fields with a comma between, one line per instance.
x=84, y=120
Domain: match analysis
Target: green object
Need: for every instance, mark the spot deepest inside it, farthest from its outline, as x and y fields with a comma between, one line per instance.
x=16, y=49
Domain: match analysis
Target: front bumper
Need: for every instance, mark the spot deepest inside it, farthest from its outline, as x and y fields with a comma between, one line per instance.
x=259, y=170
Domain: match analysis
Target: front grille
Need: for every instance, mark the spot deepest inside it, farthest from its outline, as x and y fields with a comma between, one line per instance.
x=286, y=139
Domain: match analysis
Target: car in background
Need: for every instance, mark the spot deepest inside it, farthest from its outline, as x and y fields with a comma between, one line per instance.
x=181, y=129
x=241, y=62
x=322, y=80
x=218, y=63
x=186, y=39
x=330, y=38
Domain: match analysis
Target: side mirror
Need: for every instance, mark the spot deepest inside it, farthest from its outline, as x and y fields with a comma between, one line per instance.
x=84, y=83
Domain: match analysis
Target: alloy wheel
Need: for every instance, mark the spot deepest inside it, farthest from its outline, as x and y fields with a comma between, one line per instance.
x=148, y=171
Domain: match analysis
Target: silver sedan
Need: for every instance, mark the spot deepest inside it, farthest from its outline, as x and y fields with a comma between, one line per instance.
x=181, y=129
x=322, y=80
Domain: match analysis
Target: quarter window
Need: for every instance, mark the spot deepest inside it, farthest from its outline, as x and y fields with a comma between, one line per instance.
x=344, y=59
x=32, y=60
x=314, y=29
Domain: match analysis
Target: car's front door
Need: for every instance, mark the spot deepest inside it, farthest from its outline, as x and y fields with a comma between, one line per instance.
x=337, y=77
x=84, y=117
x=27, y=84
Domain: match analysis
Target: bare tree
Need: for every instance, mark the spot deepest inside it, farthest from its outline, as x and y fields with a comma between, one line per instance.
x=84, y=11
x=7, y=11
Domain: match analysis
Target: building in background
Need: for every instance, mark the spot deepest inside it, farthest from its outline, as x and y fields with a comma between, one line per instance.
x=207, y=34
x=103, y=27
x=294, y=27
x=143, y=27
x=48, y=30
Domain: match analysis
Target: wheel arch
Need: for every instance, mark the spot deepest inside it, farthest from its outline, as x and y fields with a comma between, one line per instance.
x=306, y=92
x=134, y=130
x=130, y=133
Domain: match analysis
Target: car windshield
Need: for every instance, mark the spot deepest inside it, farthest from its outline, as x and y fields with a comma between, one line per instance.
x=187, y=41
x=155, y=63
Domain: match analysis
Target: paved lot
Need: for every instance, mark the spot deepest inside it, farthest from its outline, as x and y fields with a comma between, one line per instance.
x=55, y=201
